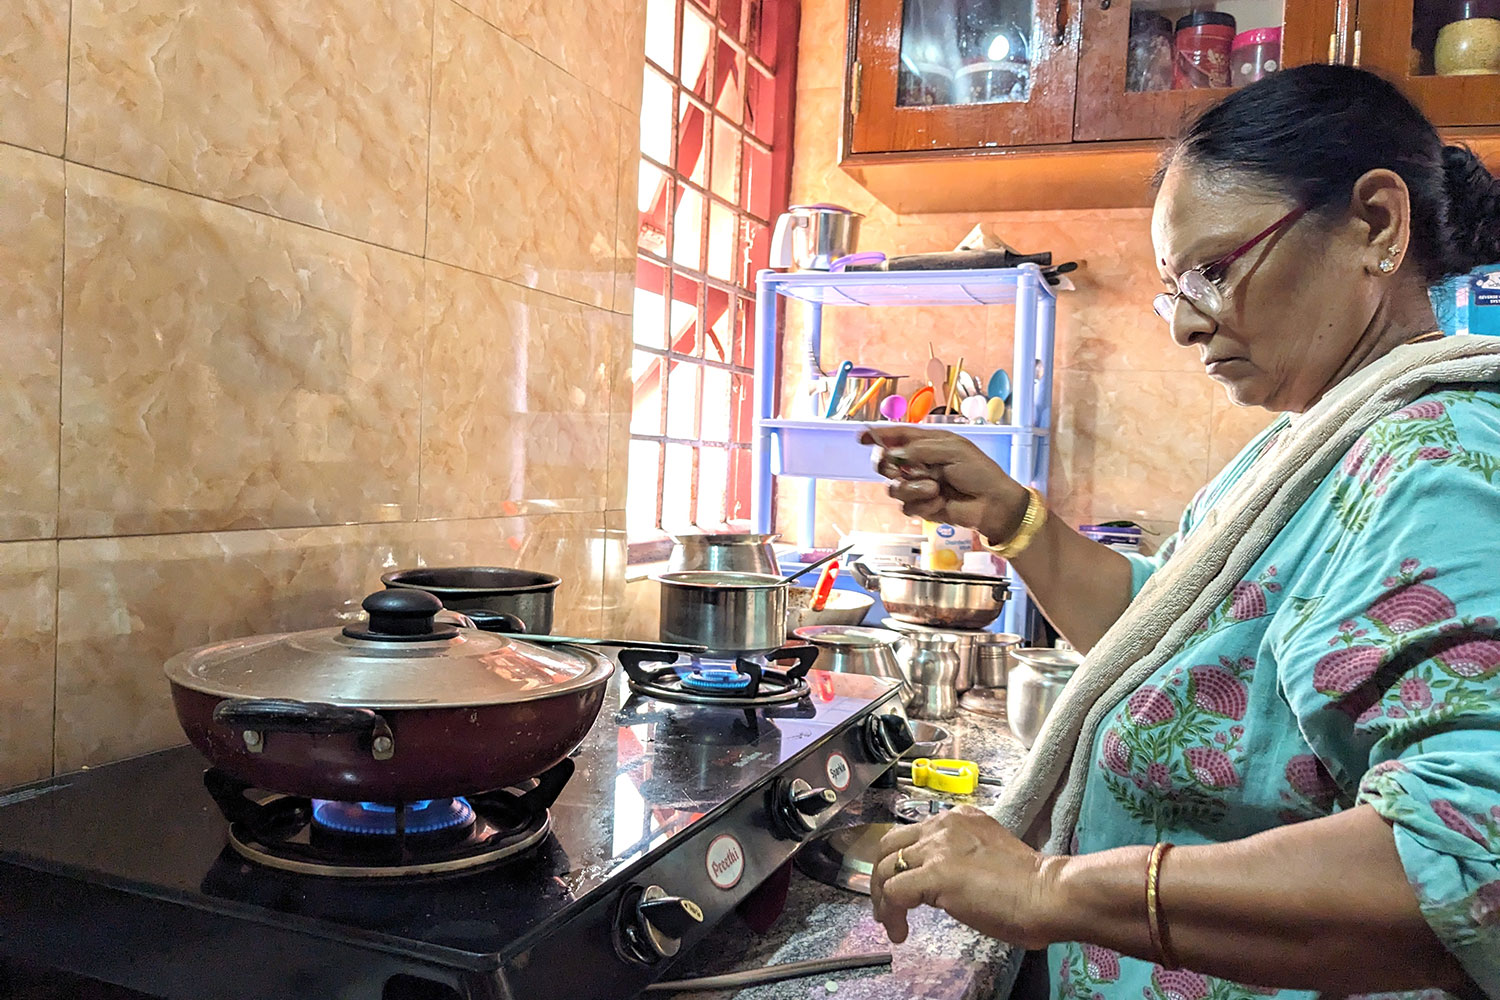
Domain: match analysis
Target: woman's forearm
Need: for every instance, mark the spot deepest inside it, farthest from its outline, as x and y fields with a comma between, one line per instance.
x=1321, y=905
x=1081, y=586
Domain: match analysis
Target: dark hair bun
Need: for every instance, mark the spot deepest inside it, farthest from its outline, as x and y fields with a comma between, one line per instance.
x=1473, y=211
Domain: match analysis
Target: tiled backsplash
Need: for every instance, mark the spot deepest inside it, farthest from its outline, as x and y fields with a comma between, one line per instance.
x=294, y=292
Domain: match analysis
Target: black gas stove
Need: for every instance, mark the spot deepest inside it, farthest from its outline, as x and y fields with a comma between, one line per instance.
x=162, y=876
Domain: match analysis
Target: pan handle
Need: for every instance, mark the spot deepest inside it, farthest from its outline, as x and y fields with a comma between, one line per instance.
x=257, y=716
x=867, y=578
x=496, y=621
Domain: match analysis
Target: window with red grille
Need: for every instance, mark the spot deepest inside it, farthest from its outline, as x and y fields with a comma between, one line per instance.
x=715, y=170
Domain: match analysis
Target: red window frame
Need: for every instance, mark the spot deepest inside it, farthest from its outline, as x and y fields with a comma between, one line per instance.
x=710, y=187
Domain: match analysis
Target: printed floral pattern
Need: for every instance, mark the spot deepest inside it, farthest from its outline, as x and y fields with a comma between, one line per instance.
x=1345, y=669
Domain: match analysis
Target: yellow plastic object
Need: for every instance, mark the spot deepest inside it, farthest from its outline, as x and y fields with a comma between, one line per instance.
x=956, y=777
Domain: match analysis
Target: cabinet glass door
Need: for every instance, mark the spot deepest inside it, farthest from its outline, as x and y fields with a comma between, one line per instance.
x=1147, y=66
x=1444, y=53
x=965, y=52
x=961, y=74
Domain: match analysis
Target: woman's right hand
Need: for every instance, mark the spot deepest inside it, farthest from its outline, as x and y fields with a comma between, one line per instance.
x=939, y=476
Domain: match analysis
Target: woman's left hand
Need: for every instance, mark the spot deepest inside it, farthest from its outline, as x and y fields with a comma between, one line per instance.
x=964, y=863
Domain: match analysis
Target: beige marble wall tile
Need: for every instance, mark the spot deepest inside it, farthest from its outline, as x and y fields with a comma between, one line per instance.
x=525, y=165
x=127, y=604
x=816, y=174
x=627, y=212
x=517, y=396
x=223, y=369
x=1129, y=445
x=28, y=659
x=34, y=73
x=571, y=546
x=601, y=43
x=822, y=44
x=621, y=396
x=642, y=617
x=312, y=110
x=31, y=251
x=1231, y=428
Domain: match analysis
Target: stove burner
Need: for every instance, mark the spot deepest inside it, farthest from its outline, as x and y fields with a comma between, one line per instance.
x=378, y=819
x=365, y=840
x=713, y=680
x=746, y=682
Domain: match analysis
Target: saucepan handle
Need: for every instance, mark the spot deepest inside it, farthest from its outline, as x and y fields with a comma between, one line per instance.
x=496, y=621
x=867, y=578
x=282, y=715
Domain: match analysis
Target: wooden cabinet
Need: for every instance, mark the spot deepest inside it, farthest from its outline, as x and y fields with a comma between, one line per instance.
x=995, y=104
x=1108, y=108
x=1406, y=40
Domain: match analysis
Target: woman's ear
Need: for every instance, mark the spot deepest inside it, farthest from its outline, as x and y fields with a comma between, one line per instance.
x=1380, y=205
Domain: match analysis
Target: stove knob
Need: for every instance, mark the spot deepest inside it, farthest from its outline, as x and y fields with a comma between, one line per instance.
x=887, y=737
x=656, y=929
x=798, y=805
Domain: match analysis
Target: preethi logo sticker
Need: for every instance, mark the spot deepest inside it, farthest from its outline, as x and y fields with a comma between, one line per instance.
x=725, y=861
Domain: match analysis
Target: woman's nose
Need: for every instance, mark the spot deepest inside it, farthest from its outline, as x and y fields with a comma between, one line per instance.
x=1189, y=324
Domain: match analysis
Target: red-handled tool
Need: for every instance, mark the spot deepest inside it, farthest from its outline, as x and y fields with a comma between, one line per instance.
x=824, y=586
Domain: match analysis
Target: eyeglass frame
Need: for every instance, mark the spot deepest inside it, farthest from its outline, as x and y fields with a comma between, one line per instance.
x=1165, y=303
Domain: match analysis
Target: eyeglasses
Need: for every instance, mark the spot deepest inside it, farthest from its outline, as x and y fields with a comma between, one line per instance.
x=1200, y=286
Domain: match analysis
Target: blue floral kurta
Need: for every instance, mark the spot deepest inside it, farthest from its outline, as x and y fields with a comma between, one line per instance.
x=1358, y=662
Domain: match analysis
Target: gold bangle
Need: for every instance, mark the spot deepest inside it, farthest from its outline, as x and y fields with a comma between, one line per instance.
x=1155, y=924
x=1031, y=524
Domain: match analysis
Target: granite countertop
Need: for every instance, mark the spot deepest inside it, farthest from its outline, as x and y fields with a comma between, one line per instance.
x=941, y=960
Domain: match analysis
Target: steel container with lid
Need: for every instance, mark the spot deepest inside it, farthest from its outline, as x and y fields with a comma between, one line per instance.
x=398, y=709
x=1036, y=683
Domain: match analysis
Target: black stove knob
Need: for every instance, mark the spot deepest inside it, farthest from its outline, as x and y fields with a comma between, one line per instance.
x=813, y=801
x=654, y=923
x=887, y=737
x=796, y=806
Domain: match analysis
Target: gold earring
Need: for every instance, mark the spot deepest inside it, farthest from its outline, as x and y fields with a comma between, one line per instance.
x=1387, y=266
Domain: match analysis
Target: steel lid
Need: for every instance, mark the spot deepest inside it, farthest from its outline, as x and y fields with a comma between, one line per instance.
x=848, y=636
x=721, y=580
x=402, y=659
x=1059, y=662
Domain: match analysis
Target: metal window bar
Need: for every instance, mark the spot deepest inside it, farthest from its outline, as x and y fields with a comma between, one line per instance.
x=678, y=183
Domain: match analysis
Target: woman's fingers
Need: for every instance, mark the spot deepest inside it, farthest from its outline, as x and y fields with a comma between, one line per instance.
x=904, y=893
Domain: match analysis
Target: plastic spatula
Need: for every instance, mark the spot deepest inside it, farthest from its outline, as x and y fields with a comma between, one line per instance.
x=824, y=586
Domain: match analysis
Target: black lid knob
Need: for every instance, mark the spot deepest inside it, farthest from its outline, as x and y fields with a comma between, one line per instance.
x=401, y=615
x=671, y=916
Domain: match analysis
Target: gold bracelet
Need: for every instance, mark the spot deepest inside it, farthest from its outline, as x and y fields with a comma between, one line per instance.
x=1155, y=924
x=1031, y=524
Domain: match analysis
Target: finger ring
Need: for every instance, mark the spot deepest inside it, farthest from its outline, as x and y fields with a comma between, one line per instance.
x=901, y=864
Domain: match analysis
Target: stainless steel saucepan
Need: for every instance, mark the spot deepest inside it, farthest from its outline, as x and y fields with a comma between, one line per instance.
x=940, y=600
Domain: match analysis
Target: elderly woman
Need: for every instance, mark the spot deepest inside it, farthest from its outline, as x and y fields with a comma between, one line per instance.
x=1301, y=691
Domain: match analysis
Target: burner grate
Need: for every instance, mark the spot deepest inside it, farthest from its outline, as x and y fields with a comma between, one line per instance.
x=368, y=840
x=746, y=682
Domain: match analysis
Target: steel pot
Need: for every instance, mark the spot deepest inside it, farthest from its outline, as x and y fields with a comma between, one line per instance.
x=992, y=659
x=939, y=600
x=523, y=594
x=726, y=553
x=730, y=613
x=396, y=710
x=1036, y=683
x=849, y=649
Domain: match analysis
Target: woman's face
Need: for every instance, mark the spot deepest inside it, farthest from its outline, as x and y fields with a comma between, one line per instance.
x=1294, y=307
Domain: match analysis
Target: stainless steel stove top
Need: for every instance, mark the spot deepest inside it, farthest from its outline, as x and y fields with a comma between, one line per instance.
x=673, y=814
